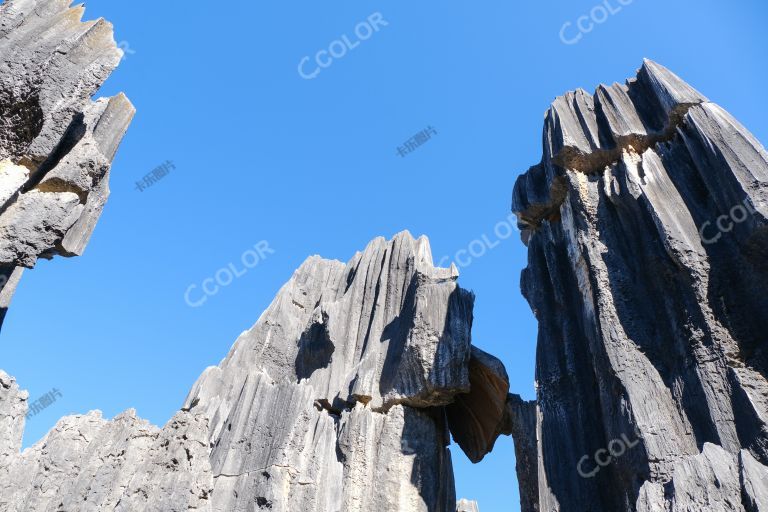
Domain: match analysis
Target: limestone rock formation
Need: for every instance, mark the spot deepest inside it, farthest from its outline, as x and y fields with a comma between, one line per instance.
x=13, y=407
x=467, y=506
x=478, y=418
x=520, y=423
x=56, y=144
x=360, y=359
x=647, y=236
x=335, y=400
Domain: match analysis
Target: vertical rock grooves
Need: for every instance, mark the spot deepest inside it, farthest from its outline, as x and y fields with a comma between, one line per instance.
x=342, y=397
x=385, y=341
x=344, y=394
x=521, y=425
x=56, y=144
x=646, y=229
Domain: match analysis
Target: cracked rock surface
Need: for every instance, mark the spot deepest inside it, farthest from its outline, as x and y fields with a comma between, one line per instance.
x=647, y=236
x=335, y=400
x=56, y=144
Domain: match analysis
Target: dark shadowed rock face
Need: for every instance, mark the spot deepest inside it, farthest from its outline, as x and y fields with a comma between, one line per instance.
x=647, y=236
x=477, y=418
x=520, y=423
x=56, y=144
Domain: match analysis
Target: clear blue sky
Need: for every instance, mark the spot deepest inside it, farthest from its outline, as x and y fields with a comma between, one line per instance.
x=311, y=166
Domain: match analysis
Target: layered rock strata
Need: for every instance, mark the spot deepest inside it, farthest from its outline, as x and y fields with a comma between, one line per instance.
x=56, y=143
x=647, y=237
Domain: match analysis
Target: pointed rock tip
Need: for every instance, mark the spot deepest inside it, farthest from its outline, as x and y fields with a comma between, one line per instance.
x=404, y=234
x=122, y=98
x=315, y=260
x=653, y=67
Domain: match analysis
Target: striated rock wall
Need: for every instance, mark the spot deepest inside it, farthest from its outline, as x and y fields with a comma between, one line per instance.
x=337, y=399
x=56, y=144
x=359, y=359
x=647, y=236
x=342, y=397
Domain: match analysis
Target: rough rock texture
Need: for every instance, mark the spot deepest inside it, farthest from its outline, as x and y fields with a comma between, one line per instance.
x=13, y=407
x=56, y=144
x=89, y=464
x=467, y=506
x=520, y=423
x=360, y=358
x=647, y=236
x=335, y=400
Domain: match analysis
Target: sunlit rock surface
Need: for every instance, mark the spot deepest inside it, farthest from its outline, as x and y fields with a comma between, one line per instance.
x=467, y=506
x=335, y=400
x=350, y=366
x=13, y=407
x=56, y=143
x=646, y=229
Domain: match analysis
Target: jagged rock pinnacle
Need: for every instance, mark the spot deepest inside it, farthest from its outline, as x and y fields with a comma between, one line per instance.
x=647, y=238
x=56, y=144
x=342, y=397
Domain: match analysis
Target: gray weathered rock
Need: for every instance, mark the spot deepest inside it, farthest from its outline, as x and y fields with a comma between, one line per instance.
x=360, y=358
x=335, y=400
x=520, y=423
x=13, y=407
x=56, y=144
x=651, y=362
x=88, y=464
x=754, y=482
x=467, y=506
